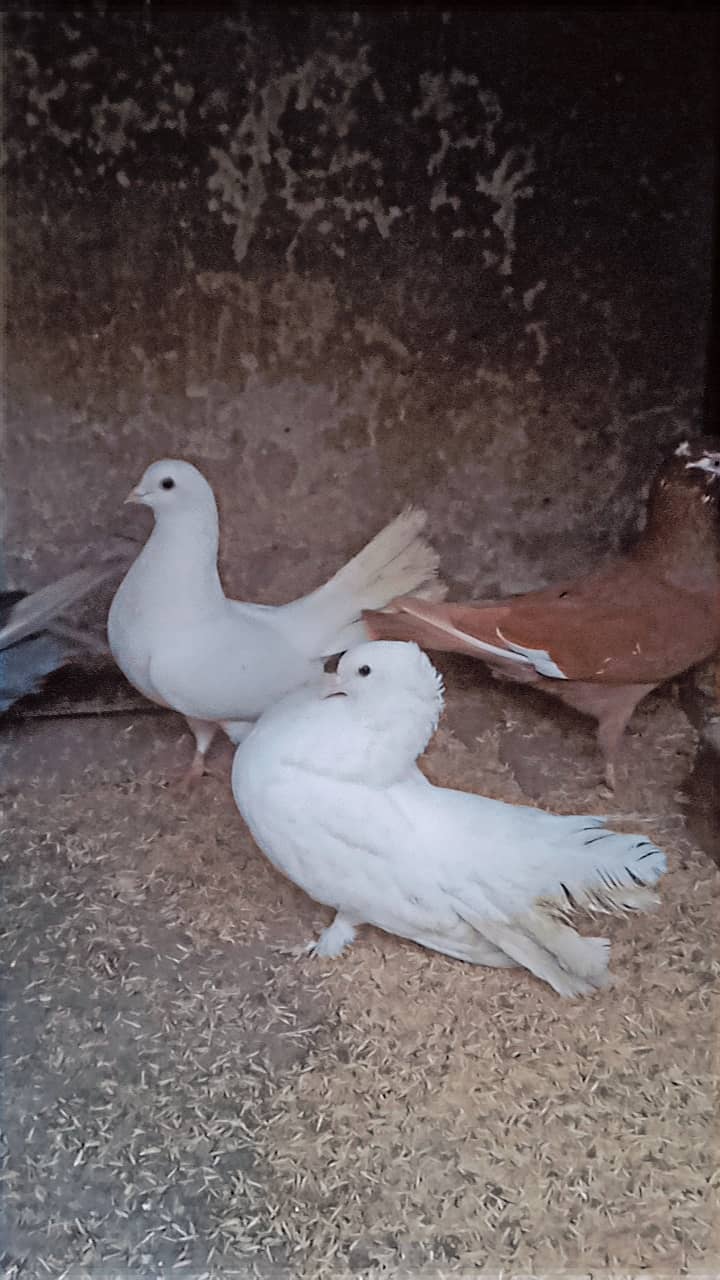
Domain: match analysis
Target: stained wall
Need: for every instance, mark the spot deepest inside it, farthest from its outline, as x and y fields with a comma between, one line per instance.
x=346, y=259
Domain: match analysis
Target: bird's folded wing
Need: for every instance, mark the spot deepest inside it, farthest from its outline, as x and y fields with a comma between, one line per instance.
x=517, y=856
x=226, y=668
x=621, y=641
x=36, y=610
x=345, y=844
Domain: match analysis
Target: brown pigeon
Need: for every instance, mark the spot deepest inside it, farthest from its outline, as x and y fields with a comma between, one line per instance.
x=603, y=641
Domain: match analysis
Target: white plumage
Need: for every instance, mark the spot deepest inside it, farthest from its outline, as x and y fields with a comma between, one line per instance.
x=180, y=640
x=328, y=785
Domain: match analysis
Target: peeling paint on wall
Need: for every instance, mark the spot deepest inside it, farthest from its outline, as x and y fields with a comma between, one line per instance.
x=323, y=89
x=347, y=260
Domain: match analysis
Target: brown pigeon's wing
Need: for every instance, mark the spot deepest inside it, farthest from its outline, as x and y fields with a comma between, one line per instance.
x=451, y=628
x=472, y=628
x=619, y=643
x=624, y=641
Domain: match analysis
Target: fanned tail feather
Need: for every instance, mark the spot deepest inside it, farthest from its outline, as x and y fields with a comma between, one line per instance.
x=397, y=560
x=621, y=879
x=599, y=871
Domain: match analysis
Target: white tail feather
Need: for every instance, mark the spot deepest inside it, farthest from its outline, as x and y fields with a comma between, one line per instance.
x=397, y=561
x=596, y=871
x=611, y=872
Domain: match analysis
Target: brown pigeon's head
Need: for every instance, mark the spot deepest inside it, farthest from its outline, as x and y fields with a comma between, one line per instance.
x=694, y=465
x=683, y=516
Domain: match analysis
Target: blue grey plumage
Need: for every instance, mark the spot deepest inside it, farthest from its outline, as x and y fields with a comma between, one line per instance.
x=34, y=641
x=25, y=665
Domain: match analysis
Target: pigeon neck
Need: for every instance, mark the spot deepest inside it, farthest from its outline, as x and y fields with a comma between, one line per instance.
x=683, y=533
x=187, y=547
x=402, y=726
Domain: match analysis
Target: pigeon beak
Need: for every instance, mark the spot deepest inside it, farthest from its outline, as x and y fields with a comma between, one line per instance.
x=709, y=462
x=337, y=691
x=135, y=495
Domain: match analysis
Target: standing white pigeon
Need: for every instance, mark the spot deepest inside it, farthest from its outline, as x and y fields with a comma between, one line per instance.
x=178, y=638
x=328, y=785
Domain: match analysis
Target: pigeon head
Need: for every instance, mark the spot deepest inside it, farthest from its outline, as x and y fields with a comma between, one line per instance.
x=394, y=686
x=694, y=465
x=682, y=528
x=377, y=668
x=173, y=487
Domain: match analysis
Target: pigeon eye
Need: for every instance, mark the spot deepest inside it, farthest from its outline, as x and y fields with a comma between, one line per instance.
x=364, y=671
x=167, y=483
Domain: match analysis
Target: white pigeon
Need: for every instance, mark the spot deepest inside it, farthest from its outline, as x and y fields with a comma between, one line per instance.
x=328, y=785
x=182, y=643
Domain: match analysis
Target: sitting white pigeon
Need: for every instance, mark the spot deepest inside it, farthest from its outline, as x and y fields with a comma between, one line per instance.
x=182, y=643
x=328, y=785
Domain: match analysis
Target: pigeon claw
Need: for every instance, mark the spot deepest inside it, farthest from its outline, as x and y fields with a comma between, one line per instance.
x=333, y=940
x=304, y=949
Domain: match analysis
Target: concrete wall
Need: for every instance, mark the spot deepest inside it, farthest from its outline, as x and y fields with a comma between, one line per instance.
x=344, y=259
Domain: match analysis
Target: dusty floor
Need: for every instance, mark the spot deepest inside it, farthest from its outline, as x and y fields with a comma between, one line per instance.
x=182, y=1096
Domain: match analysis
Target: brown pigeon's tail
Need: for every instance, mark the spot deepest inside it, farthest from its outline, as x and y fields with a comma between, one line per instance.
x=432, y=626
